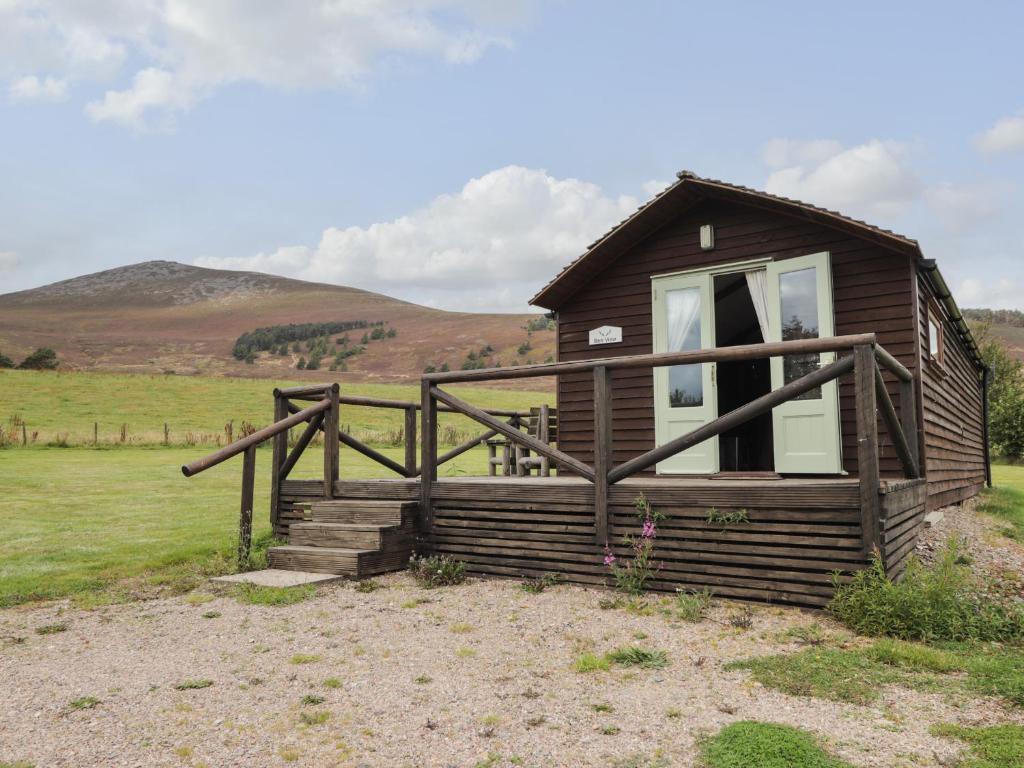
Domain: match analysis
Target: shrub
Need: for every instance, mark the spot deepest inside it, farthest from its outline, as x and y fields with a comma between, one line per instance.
x=591, y=662
x=632, y=656
x=539, y=584
x=692, y=606
x=437, y=570
x=6, y=362
x=940, y=602
x=43, y=359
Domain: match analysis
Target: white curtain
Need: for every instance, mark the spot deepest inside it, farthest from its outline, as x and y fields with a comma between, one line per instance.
x=757, y=283
x=683, y=313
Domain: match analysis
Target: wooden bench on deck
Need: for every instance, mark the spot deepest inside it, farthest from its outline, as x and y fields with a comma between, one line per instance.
x=542, y=424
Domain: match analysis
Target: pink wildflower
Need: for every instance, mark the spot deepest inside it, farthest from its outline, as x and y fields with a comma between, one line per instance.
x=609, y=557
x=649, y=530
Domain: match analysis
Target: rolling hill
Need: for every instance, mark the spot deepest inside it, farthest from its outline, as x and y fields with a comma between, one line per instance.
x=162, y=316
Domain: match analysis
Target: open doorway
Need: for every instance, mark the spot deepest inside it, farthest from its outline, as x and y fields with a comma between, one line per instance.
x=748, y=447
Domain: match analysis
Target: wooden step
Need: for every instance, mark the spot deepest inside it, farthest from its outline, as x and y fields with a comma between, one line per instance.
x=362, y=511
x=351, y=535
x=355, y=563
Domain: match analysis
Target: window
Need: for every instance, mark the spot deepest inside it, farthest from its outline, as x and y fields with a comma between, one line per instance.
x=935, y=341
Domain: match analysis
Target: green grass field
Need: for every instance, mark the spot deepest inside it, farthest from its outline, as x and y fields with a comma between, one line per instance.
x=107, y=524
x=120, y=519
x=115, y=521
x=56, y=406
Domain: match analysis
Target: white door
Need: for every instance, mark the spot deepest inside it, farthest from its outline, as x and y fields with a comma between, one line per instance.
x=806, y=430
x=684, y=395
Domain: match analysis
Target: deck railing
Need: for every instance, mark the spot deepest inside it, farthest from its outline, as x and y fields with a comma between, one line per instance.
x=323, y=416
x=871, y=397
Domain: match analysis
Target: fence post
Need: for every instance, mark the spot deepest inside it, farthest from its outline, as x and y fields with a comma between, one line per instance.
x=410, y=441
x=24, y=434
x=95, y=433
x=428, y=458
x=280, y=452
x=245, y=515
x=867, y=446
x=602, y=450
x=332, y=445
x=167, y=434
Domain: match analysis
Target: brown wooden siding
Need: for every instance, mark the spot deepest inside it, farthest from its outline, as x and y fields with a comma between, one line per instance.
x=952, y=410
x=871, y=292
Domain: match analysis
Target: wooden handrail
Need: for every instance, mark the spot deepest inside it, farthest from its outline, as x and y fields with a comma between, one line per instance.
x=403, y=405
x=304, y=439
x=732, y=419
x=899, y=439
x=512, y=433
x=658, y=359
x=893, y=365
x=370, y=453
x=254, y=439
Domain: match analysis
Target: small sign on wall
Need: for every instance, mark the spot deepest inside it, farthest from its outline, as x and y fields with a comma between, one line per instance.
x=606, y=334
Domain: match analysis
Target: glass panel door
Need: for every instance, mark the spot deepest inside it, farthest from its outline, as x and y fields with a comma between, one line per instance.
x=684, y=394
x=805, y=429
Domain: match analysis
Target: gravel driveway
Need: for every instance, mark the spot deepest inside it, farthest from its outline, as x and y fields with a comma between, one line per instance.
x=479, y=674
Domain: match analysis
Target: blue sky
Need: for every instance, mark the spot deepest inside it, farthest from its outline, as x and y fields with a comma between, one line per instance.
x=458, y=153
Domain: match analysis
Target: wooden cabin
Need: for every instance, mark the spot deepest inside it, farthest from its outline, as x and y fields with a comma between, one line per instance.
x=708, y=264
x=791, y=388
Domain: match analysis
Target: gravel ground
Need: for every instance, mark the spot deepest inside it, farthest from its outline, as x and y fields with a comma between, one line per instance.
x=472, y=673
x=992, y=554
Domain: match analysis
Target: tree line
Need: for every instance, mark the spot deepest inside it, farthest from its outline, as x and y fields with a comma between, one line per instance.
x=1005, y=394
x=43, y=359
x=272, y=337
x=1011, y=317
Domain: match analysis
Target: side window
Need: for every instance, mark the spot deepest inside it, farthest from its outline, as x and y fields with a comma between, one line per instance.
x=935, y=340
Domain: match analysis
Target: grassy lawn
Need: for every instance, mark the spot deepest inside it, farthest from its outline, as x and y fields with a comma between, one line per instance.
x=105, y=524
x=1006, y=499
x=56, y=404
x=765, y=745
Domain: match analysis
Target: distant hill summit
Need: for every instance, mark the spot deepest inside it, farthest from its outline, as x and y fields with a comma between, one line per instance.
x=164, y=282
x=160, y=316
x=1007, y=326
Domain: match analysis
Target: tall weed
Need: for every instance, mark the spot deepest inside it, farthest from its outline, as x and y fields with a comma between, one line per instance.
x=940, y=602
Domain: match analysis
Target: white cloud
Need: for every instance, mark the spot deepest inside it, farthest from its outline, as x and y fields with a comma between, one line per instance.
x=961, y=208
x=1007, y=135
x=488, y=246
x=1002, y=293
x=189, y=48
x=31, y=88
x=654, y=187
x=872, y=180
x=8, y=261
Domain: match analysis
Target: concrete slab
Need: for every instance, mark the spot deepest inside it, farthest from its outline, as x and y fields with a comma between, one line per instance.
x=275, y=577
x=933, y=518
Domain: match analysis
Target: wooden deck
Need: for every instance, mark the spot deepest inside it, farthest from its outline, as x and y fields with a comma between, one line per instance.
x=799, y=531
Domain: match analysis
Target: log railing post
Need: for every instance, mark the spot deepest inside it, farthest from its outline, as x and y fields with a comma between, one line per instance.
x=280, y=451
x=544, y=435
x=908, y=420
x=245, y=515
x=332, y=442
x=428, y=459
x=602, y=450
x=410, y=441
x=867, y=447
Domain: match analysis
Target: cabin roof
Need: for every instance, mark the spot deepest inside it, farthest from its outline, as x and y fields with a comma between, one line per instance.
x=687, y=191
